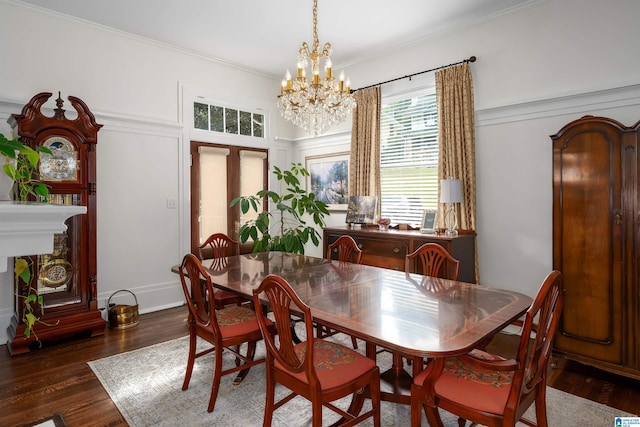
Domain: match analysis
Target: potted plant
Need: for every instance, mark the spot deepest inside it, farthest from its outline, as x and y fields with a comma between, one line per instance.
x=285, y=229
x=21, y=167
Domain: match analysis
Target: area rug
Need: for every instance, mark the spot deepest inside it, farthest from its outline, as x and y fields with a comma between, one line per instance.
x=146, y=386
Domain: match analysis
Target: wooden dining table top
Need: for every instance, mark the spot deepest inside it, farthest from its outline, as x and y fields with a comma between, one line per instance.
x=413, y=314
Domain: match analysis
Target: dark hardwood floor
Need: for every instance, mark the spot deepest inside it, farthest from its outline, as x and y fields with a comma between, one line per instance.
x=57, y=379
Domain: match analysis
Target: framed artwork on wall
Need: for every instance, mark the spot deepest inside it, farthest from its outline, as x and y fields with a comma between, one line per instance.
x=328, y=180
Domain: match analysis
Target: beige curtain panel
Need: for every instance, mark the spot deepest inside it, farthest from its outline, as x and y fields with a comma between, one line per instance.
x=456, y=127
x=364, y=169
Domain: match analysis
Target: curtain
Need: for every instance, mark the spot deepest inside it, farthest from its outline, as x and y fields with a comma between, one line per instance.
x=364, y=169
x=456, y=128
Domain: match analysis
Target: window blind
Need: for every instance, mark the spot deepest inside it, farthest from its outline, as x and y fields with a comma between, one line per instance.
x=408, y=157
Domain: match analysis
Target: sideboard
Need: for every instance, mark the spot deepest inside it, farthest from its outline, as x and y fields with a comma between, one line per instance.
x=388, y=248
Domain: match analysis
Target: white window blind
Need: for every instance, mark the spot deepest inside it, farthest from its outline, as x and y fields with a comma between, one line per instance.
x=251, y=177
x=408, y=157
x=213, y=190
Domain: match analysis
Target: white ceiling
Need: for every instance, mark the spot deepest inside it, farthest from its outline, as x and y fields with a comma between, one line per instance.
x=264, y=36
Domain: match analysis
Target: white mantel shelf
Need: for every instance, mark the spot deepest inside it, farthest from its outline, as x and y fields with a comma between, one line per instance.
x=28, y=228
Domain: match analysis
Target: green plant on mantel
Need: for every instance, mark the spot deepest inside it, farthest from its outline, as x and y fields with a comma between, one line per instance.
x=285, y=229
x=21, y=165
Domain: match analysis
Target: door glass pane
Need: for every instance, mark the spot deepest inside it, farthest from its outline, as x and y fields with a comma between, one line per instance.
x=213, y=191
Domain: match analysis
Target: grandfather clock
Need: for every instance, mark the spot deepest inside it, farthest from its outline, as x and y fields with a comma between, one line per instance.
x=67, y=277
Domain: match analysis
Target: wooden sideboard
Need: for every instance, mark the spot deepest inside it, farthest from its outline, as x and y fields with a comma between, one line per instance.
x=388, y=248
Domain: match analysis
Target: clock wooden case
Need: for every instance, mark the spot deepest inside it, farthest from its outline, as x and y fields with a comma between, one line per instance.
x=67, y=277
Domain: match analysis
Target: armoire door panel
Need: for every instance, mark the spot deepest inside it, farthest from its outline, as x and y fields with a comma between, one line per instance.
x=588, y=243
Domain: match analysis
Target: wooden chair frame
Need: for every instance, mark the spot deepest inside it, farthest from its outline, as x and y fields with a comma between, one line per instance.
x=435, y=261
x=346, y=248
x=219, y=246
x=529, y=369
x=285, y=365
x=348, y=251
x=203, y=323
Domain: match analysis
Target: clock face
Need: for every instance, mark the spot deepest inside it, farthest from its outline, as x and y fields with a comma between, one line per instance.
x=62, y=164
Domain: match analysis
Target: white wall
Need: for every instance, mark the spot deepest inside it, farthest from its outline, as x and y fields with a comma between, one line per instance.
x=537, y=69
x=139, y=90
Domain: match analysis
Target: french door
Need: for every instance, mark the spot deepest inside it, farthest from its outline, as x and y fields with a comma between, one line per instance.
x=219, y=174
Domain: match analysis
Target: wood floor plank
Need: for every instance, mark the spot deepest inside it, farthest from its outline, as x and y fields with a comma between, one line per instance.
x=57, y=379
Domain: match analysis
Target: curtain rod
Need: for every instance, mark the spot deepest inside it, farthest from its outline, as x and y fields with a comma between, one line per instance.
x=471, y=59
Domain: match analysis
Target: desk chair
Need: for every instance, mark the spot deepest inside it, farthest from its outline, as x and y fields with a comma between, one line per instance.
x=219, y=246
x=320, y=371
x=226, y=328
x=487, y=389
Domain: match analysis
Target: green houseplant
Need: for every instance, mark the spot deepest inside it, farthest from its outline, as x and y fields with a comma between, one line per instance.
x=285, y=229
x=21, y=166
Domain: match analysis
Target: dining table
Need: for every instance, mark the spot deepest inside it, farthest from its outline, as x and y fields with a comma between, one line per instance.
x=418, y=317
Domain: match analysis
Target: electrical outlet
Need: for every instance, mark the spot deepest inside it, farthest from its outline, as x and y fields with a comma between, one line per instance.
x=172, y=203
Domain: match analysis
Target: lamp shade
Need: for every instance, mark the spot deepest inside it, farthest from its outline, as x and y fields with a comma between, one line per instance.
x=450, y=191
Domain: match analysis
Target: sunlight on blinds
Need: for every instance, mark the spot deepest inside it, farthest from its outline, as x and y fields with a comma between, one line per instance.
x=409, y=157
x=213, y=191
x=251, y=177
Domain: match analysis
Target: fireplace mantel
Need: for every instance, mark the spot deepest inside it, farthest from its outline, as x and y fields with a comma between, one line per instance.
x=28, y=228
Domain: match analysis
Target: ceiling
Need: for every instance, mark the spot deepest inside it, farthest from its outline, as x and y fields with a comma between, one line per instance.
x=264, y=36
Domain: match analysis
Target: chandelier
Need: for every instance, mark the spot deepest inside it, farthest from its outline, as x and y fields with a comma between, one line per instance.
x=315, y=104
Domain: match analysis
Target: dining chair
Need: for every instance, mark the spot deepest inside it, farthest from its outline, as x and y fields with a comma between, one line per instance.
x=348, y=251
x=346, y=248
x=321, y=371
x=488, y=389
x=217, y=247
x=435, y=261
x=226, y=328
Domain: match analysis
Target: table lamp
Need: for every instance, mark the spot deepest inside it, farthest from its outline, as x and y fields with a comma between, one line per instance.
x=450, y=193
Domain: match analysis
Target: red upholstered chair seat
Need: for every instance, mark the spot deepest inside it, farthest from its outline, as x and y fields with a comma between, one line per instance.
x=335, y=364
x=236, y=320
x=473, y=386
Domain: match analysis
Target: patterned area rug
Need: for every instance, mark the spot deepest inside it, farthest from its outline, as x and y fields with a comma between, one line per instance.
x=146, y=386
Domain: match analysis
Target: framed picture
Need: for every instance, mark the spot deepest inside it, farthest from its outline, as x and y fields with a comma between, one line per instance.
x=328, y=179
x=428, y=221
x=361, y=209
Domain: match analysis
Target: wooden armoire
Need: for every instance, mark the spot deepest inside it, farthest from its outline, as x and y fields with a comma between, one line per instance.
x=596, y=241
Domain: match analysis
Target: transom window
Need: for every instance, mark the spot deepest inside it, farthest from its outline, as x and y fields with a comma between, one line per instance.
x=217, y=118
x=408, y=157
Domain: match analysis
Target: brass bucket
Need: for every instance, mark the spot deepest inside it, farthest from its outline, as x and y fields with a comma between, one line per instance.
x=122, y=316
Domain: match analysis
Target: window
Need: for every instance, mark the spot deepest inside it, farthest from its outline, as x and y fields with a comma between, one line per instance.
x=408, y=157
x=215, y=118
x=219, y=174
